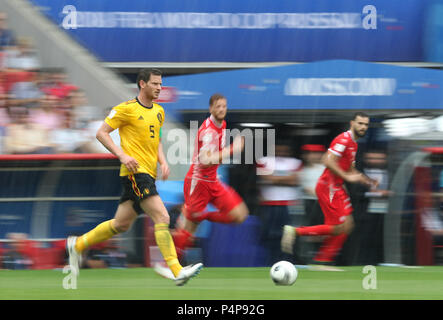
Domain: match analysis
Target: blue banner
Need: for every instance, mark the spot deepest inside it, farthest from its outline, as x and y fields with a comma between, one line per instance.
x=325, y=85
x=15, y=217
x=76, y=200
x=243, y=31
x=433, y=32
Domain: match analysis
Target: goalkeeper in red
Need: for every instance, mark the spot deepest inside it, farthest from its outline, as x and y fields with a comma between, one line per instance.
x=332, y=195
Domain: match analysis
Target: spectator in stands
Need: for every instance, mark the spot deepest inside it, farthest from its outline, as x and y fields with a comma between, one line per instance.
x=278, y=181
x=92, y=145
x=46, y=114
x=22, y=56
x=45, y=78
x=10, y=77
x=85, y=120
x=27, y=92
x=7, y=38
x=82, y=111
x=24, y=137
x=4, y=115
x=67, y=138
x=58, y=85
x=15, y=256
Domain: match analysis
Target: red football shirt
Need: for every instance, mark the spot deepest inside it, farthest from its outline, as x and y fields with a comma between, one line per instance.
x=210, y=137
x=345, y=147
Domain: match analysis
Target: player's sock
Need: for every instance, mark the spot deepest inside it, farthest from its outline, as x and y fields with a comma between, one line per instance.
x=318, y=230
x=330, y=248
x=220, y=217
x=182, y=239
x=166, y=245
x=100, y=233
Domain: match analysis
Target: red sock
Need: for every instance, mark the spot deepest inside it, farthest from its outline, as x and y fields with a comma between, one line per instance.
x=330, y=247
x=318, y=230
x=182, y=239
x=220, y=217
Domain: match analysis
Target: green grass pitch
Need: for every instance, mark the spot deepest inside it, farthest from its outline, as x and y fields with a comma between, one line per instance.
x=223, y=284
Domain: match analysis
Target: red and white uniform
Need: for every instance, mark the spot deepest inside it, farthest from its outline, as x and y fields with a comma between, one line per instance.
x=201, y=185
x=332, y=197
x=210, y=137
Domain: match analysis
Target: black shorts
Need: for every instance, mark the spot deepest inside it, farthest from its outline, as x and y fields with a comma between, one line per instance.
x=136, y=188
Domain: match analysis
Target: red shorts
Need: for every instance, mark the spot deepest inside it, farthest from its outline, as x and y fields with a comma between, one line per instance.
x=334, y=202
x=199, y=193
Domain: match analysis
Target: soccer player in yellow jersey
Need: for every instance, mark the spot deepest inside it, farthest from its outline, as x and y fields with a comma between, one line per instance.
x=139, y=122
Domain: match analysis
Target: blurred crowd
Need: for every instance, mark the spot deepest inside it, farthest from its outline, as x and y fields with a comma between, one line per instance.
x=40, y=110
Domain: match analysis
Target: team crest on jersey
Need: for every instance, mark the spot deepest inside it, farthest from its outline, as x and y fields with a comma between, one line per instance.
x=160, y=117
x=146, y=191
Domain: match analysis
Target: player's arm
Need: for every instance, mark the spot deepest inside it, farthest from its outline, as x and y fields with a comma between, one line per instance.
x=164, y=167
x=103, y=135
x=209, y=157
x=330, y=160
x=372, y=183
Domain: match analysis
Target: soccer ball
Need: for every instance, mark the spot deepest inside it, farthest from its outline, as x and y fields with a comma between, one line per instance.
x=284, y=273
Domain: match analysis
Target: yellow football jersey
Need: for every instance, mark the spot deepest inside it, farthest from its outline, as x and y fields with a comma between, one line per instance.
x=139, y=129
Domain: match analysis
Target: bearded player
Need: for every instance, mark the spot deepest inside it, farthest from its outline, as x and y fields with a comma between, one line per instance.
x=201, y=185
x=332, y=195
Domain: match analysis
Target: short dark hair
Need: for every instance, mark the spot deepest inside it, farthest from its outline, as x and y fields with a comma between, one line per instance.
x=360, y=114
x=145, y=75
x=215, y=97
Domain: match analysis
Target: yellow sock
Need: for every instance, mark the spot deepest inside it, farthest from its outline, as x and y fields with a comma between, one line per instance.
x=167, y=248
x=100, y=233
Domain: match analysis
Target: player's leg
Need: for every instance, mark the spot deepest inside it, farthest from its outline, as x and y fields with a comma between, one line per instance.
x=346, y=227
x=184, y=236
x=236, y=215
x=154, y=207
x=196, y=196
x=231, y=207
x=332, y=245
x=329, y=208
x=290, y=233
x=343, y=224
x=123, y=219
